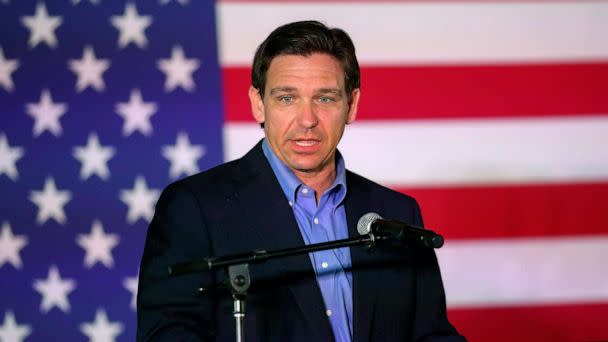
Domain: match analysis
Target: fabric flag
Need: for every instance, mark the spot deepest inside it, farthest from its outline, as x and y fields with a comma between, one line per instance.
x=102, y=104
x=494, y=115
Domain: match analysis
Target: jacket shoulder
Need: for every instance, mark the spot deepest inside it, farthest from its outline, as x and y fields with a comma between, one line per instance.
x=377, y=190
x=215, y=181
x=385, y=201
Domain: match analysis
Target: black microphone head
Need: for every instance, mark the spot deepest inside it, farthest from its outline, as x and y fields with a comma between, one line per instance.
x=364, y=226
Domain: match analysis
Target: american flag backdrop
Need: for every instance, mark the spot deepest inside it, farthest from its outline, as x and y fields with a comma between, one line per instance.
x=102, y=104
x=494, y=115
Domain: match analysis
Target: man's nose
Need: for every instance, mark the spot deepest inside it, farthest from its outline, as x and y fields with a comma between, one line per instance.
x=307, y=116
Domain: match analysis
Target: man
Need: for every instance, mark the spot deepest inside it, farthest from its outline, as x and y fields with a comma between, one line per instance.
x=291, y=189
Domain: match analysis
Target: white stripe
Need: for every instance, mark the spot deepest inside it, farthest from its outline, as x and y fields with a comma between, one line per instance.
x=414, y=32
x=436, y=152
x=525, y=271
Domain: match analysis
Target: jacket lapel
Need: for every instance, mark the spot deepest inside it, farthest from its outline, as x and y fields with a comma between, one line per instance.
x=267, y=210
x=365, y=281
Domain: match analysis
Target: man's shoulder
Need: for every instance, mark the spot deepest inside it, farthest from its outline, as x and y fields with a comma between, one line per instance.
x=384, y=201
x=216, y=180
x=222, y=178
x=376, y=190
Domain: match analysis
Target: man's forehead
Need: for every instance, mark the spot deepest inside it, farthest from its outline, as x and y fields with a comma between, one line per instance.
x=292, y=72
x=322, y=90
x=319, y=61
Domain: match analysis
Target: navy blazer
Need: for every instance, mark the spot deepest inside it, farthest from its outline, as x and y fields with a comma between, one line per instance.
x=238, y=207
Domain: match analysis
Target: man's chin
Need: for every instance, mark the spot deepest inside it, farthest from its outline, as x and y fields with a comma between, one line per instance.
x=310, y=167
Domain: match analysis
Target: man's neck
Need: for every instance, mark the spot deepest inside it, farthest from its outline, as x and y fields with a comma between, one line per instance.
x=319, y=181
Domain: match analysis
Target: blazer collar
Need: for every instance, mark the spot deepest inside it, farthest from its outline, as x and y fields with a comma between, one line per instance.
x=276, y=228
x=365, y=282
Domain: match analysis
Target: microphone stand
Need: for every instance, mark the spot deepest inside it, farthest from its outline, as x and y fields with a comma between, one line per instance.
x=237, y=267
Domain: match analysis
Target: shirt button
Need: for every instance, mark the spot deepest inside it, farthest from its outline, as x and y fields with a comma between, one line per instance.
x=316, y=220
x=304, y=191
x=324, y=264
x=328, y=313
x=290, y=203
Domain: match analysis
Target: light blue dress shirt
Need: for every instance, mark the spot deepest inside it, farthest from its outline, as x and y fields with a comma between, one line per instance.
x=321, y=223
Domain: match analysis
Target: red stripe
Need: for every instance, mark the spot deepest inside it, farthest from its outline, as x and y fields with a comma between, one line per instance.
x=536, y=323
x=426, y=92
x=514, y=211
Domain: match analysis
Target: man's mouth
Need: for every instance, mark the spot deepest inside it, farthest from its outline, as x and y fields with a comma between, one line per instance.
x=306, y=143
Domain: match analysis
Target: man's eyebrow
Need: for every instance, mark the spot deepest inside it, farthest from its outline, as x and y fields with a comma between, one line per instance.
x=335, y=91
x=282, y=90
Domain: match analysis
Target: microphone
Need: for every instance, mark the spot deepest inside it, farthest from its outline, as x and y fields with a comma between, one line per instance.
x=372, y=223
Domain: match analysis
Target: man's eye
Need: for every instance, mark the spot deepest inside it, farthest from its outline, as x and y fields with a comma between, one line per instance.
x=325, y=99
x=286, y=99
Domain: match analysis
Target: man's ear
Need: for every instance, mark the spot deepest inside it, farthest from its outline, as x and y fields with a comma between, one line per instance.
x=257, y=105
x=353, y=106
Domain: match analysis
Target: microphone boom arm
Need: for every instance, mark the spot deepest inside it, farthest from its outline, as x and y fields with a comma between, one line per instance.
x=260, y=256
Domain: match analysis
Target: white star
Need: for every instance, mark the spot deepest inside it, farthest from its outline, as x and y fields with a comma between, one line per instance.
x=42, y=27
x=94, y=158
x=181, y=2
x=50, y=202
x=7, y=67
x=8, y=158
x=54, y=291
x=98, y=246
x=101, y=330
x=183, y=156
x=136, y=114
x=10, y=331
x=46, y=114
x=10, y=246
x=140, y=200
x=178, y=70
x=131, y=26
x=89, y=70
x=130, y=283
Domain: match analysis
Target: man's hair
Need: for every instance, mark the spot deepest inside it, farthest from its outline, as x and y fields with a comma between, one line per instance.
x=304, y=38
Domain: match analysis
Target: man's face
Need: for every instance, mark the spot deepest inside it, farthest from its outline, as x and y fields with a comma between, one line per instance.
x=304, y=110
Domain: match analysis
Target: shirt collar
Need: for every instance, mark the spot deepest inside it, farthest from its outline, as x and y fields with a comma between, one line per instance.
x=290, y=183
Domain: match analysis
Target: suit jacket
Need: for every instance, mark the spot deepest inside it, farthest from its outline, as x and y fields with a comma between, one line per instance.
x=238, y=207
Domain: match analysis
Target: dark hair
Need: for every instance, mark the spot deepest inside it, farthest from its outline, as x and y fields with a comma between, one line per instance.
x=304, y=38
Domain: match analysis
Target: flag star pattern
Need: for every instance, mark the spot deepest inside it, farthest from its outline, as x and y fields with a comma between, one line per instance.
x=131, y=26
x=50, y=202
x=11, y=331
x=178, y=70
x=136, y=114
x=130, y=283
x=46, y=114
x=93, y=158
x=10, y=246
x=42, y=27
x=54, y=291
x=493, y=114
x=76, y=2
x=9, y=157
x=89, y=70
x=101, y=329
x=98, y=246
x=7, y=67
x=183, y=156
x=140, y=200
x=85, y=121
x=181, y=2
